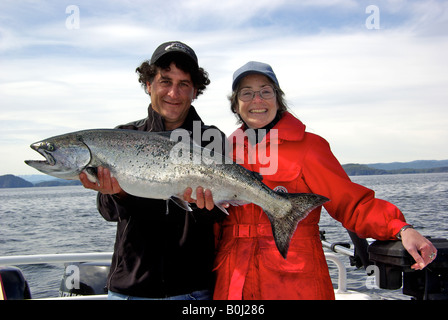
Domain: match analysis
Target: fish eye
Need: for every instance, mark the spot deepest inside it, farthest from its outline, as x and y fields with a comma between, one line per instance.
x=50, y=147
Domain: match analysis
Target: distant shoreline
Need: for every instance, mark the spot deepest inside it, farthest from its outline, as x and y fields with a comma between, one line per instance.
x=352, y=169
x=12, y=181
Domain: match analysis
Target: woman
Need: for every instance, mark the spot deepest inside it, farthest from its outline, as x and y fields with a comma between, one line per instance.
x=248, y=264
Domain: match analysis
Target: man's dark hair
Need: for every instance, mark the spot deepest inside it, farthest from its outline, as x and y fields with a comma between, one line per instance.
x=147, y=71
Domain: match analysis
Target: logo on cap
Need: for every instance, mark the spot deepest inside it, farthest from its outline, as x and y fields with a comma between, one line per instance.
x=178, y=47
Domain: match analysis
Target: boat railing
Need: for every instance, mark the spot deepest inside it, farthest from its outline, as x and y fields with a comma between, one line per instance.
x=107, y=256
x=55, y=258
x=338, y=248
x=342, y=271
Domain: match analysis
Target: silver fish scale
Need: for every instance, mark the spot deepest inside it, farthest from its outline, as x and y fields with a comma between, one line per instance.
x=150, y=172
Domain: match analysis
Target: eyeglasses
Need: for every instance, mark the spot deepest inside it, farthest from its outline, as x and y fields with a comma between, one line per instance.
x=248, y=94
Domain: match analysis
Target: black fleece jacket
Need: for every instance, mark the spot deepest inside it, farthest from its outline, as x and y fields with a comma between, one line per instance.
x=160, y=249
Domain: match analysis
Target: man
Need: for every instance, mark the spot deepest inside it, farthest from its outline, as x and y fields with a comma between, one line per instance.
x=161, y=251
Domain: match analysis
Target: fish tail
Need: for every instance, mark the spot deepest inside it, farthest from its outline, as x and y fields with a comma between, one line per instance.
x=284, y=225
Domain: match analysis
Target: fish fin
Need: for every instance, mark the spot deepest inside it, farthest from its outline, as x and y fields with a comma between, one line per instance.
x=169, y=134
x=257, y=175
x=283, y=227
x=181, y=203
x=166, y=134
x=92, y=174
x=236, y=202
x=220, y=206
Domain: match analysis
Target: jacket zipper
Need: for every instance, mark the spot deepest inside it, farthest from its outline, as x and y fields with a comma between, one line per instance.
x=118, y=254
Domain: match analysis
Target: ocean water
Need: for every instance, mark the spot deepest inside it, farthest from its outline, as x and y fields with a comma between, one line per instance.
x=65, y=220
x=423, y=199
x=51, y=220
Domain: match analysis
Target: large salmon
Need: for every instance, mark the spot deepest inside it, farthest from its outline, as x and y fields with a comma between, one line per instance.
x=151, y=165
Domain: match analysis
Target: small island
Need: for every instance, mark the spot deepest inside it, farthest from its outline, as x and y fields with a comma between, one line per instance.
x=12, y=181
x=354, y=169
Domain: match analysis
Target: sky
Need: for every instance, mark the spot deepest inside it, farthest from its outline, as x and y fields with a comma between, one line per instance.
x=371, y=77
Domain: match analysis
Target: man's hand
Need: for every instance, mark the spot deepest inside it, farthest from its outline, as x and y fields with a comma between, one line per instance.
x=106, y=183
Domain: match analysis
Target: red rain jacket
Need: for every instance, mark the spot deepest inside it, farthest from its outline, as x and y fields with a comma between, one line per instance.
x=248, y=264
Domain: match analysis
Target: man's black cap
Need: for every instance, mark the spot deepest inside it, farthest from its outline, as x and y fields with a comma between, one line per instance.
x=174, y=46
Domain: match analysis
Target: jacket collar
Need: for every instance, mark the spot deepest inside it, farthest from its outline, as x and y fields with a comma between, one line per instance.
x=156, y=123
x=290, y=128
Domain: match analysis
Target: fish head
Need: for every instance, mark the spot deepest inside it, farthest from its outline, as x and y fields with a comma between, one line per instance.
x=65, y=156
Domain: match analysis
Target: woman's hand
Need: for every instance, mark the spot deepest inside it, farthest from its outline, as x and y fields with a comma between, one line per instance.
x=204, y=198
x=420, y=248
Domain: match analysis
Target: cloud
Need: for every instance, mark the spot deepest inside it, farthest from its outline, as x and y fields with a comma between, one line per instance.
x=375, y=95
